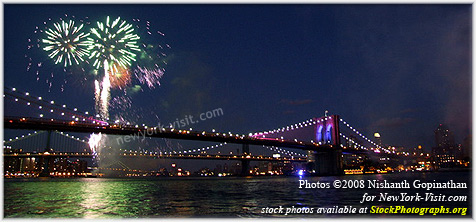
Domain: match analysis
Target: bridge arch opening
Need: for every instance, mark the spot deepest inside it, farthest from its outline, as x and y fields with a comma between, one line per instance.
x=320, y=134
x=329, y=134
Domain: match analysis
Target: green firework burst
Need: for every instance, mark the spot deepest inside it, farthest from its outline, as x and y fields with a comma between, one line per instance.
x=66, y=43
x=113, y=42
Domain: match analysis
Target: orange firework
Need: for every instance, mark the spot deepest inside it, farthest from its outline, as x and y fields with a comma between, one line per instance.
x=120, y=77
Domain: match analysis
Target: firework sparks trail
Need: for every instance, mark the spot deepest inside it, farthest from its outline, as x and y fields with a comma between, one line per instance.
x=112, y=45
x=94, y=144
x=150, y=77
x=94, y=141
x=97, y=93
x=105, y=94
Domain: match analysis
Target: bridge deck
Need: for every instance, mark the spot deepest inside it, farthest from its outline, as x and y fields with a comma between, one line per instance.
x=72, y=126
x=159, y=156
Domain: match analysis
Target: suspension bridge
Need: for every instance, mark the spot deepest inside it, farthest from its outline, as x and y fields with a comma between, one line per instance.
x=323, y=139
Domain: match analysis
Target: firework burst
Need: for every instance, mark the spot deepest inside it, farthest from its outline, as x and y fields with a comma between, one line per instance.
x=106, y=54
x=113, y=42
x=152, y=58
x=64, y=40
x=112, y=46
x=149, y=77
x=121, y=78
x=66, y=43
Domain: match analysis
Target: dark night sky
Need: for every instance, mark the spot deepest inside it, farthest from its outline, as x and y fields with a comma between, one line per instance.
x=397, y=69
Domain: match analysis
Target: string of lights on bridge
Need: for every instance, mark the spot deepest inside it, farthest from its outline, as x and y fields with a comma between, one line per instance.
x=205, y=148
x=284, y=152
x=312, y=122
x=57, y=109
x=364, y=137
x=273, y=148
x=25, y=136
x=73, y=137
x=22, y=137
x=42, y=103
x=53, y=107
x=353, y=142
x=305, y=123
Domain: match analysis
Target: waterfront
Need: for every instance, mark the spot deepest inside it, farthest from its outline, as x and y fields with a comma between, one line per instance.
x=204, y=197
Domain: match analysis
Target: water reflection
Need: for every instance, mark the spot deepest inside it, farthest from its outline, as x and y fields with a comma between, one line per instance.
x=94, y=196
x=193, y=197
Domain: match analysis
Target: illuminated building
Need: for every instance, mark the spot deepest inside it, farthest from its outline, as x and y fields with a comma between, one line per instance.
x=446, y=152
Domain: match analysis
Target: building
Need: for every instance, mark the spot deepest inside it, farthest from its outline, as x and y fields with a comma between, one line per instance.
x=353, y=161
x=444, y=137
x=446, y=153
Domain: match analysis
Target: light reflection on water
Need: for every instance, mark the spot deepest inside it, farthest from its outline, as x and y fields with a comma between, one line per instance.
x=93, y=197
x=190, y=197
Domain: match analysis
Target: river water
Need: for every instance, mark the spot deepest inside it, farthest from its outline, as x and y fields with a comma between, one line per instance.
x=210, y=197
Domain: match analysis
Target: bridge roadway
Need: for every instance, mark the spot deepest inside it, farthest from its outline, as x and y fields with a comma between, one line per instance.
x=133, y=131
x=160, y=156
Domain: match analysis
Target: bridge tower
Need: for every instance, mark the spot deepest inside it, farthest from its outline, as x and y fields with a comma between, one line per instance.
x=245, y=164
x=326, y=134
x=46, y=161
